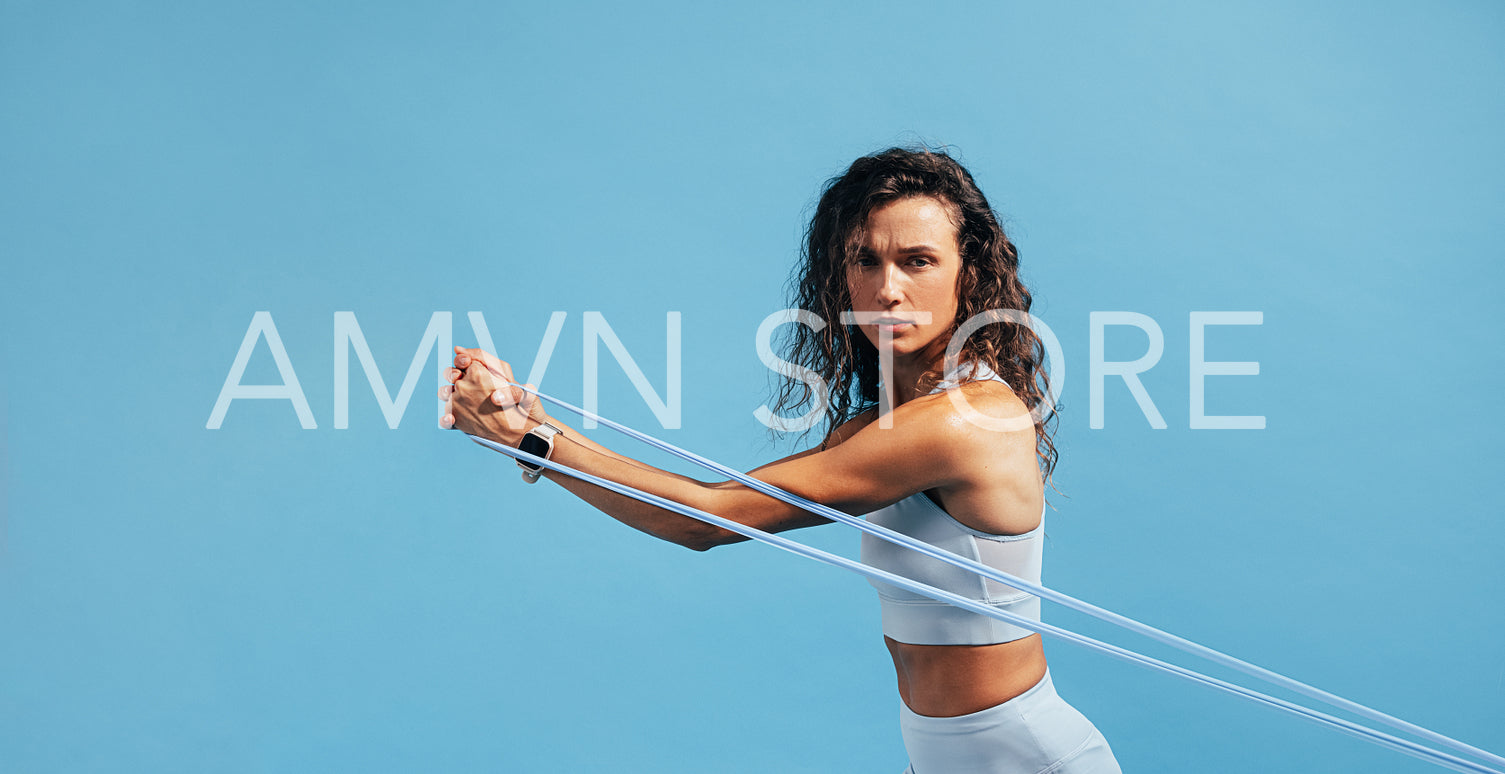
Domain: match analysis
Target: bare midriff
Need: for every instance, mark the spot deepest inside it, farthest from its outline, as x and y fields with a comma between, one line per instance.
x=948, y=680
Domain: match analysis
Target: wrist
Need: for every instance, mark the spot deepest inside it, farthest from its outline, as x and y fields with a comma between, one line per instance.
x=518, y=429
x=538, y=441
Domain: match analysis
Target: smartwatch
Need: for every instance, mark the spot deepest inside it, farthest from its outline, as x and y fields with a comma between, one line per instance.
x=539, y=442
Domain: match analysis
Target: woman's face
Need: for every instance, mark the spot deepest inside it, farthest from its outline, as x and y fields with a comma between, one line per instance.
x=908, y=263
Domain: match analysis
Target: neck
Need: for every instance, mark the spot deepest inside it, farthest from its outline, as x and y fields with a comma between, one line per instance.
x=909, y=368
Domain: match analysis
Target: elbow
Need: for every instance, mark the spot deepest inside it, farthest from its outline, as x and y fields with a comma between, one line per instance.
x=699, y=543
x=700, y=536
x=708, y=537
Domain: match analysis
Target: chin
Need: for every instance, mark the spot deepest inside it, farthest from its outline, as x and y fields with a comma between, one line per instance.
x=903, y=345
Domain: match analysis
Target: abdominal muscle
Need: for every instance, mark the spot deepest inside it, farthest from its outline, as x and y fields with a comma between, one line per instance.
x=949, y=680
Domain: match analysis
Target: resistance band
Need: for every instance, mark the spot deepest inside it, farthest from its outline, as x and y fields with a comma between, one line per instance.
x=1346, y=726
x=1043, y=592
x=1010, y=580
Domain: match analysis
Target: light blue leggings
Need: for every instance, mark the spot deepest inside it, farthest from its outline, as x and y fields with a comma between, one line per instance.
x=1036, y=732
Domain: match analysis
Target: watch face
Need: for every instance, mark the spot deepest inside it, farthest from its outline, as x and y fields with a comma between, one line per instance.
x=536, y=446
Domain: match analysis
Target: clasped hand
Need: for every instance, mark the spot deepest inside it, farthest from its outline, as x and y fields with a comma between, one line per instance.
x=483, y=399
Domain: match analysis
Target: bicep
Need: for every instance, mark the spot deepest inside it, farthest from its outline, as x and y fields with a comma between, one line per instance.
x=833, y=439
x=871, y=467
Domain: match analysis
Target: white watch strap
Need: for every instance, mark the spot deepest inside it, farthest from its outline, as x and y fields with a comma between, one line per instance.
x=544, y=432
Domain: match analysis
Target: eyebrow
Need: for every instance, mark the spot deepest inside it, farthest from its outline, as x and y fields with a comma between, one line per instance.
x=907, y=250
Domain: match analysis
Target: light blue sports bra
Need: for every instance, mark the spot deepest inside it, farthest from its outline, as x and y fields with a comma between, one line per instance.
x=918, y=620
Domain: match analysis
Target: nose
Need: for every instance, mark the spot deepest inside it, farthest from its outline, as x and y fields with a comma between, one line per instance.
x=889, y=290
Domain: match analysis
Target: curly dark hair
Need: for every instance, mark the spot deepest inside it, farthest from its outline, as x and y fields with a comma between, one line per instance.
x=989, y=280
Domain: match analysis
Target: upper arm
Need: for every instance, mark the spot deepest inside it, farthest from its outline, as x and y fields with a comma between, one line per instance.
x=930, y=445
x=874, y=466
x=739, y=503
x=834, y=438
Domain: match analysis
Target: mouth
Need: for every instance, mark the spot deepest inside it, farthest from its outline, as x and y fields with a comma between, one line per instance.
x=893, y=326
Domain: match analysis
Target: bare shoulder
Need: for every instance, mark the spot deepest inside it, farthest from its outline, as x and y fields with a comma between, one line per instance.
x=976, y=413
x=994, y=400
x=978, y=472
x=987, y=437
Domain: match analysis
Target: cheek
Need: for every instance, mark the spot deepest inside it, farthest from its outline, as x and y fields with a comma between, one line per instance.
x=941, y=299
x=954, y=292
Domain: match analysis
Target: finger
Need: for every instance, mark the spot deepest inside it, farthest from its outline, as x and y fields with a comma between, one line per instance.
x=498, y=367
x=530, y=398
x=502, y=397
x=446, y=392
x=453, y=375
x=447, y=421
x=465, y=358
x=476, y=374
x=496, y=364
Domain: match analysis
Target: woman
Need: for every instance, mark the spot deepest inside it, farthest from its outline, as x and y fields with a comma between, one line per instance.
x=907, y=244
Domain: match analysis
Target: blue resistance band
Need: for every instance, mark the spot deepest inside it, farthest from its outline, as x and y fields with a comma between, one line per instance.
x=1346, y=726
x=1019, y=583
x=1052, y=595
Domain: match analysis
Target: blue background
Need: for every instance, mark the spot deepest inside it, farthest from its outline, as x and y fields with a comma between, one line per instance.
x=267, y=598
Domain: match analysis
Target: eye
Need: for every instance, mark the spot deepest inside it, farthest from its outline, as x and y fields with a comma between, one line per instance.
x=920, y=260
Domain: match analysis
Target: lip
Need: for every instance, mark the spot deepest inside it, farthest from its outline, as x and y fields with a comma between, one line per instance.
x=893, y=327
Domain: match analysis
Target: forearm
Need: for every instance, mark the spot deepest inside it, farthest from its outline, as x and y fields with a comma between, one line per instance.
x=574, y=450
x=585, y=441
x=478, y=406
